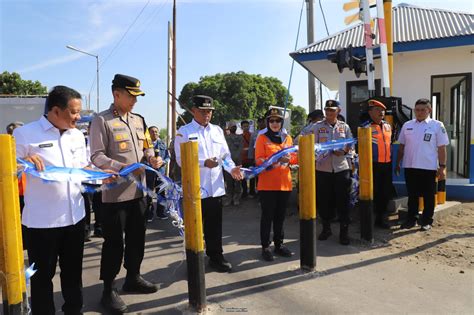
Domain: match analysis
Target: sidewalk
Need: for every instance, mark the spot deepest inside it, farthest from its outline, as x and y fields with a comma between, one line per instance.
x=359, y=278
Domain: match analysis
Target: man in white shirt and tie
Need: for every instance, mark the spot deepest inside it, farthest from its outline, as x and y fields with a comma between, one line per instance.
x=213, y=155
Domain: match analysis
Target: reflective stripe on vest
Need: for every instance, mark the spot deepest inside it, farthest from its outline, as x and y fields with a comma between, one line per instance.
x=381, y=137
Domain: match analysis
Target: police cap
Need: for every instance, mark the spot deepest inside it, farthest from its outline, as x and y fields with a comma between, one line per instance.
x=332, y=104
x=130, y=84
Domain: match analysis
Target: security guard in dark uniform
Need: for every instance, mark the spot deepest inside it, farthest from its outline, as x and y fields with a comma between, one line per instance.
x=381, y=161
x=118, y=138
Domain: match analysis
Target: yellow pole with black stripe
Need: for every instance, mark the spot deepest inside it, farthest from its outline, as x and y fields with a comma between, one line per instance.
x=12, y=244
x=193, y=225
x=307, y=202
x=366, y=189
x=442, y=192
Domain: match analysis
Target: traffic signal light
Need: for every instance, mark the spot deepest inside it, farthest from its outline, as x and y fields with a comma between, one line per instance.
x=343, y=58
x=360, y=65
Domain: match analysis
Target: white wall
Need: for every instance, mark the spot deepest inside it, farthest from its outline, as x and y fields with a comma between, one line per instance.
x=413, y=70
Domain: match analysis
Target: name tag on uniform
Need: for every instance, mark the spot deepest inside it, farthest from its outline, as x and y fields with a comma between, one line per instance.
x=46, y=145
x=427, y=137
x=193, y=137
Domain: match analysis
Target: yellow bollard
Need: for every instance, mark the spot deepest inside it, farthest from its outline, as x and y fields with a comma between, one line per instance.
x=366, y=189
x=307, y=202
x=193, y=225
x=442, y=192
x=11, y=227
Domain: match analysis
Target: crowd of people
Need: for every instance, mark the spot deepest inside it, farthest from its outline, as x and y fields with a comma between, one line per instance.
x=55, y=217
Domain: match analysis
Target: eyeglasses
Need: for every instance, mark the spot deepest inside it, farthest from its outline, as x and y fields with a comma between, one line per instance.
x=274, y=121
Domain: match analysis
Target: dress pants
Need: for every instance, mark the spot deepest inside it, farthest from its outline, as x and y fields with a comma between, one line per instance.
x=421, y=183
x=383, y=187
x=333, y=188
x=274, y=205
x=212, y=225
x=233, y=188
x=117, y=218
x=44, y=247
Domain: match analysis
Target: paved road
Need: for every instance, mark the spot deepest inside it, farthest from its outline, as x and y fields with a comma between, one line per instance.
x=349, y=279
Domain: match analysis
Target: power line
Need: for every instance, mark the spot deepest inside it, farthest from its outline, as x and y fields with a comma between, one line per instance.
x=148, y=23
x=121, y=39
x=126, y=32
x=324, y=17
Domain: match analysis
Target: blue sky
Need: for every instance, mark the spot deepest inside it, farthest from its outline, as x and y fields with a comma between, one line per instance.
x=213, y=36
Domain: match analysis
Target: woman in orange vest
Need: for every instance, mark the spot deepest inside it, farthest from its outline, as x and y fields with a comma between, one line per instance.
x=274, y=185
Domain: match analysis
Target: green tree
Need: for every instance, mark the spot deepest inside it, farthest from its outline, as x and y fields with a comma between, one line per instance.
x=163, y=133
x=298, y=119
x=13, y=84
x=238, y=95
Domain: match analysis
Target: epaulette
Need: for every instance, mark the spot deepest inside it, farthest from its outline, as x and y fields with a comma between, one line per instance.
x=144, y=123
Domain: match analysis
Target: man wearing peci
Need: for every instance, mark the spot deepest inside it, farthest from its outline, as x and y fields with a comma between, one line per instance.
x=213, y=150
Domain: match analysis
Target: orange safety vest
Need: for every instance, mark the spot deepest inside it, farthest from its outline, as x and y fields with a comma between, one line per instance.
x=22, y=184
x=381, y=139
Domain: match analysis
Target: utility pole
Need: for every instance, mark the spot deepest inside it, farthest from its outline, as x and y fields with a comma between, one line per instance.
x=310, y=32
x=169, y=97
x=173, y=75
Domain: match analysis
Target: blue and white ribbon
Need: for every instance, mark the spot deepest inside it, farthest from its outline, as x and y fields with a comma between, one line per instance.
x=172, y=191
x=321, y=150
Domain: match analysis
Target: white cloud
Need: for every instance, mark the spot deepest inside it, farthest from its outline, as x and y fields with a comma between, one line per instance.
x=100, y=40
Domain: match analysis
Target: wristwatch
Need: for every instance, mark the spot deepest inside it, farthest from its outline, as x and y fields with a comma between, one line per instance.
x=442, y=165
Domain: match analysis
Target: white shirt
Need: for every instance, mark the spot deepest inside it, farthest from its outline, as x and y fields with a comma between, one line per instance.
x=421, y=140
x=212, y=144
x=51, y=204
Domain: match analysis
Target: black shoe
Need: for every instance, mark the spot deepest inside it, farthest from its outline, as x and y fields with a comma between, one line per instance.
x=149, y=216
x=426, y=227
x=162, y=216
x=344, y=235
x=324, y=235
x=137, y=284
x=220, y=264
x=382, y=224
x=98, y=232
x=87, y=235
x=283, y=251
x=113, y=302
x=408, y=223
x=267, y=254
